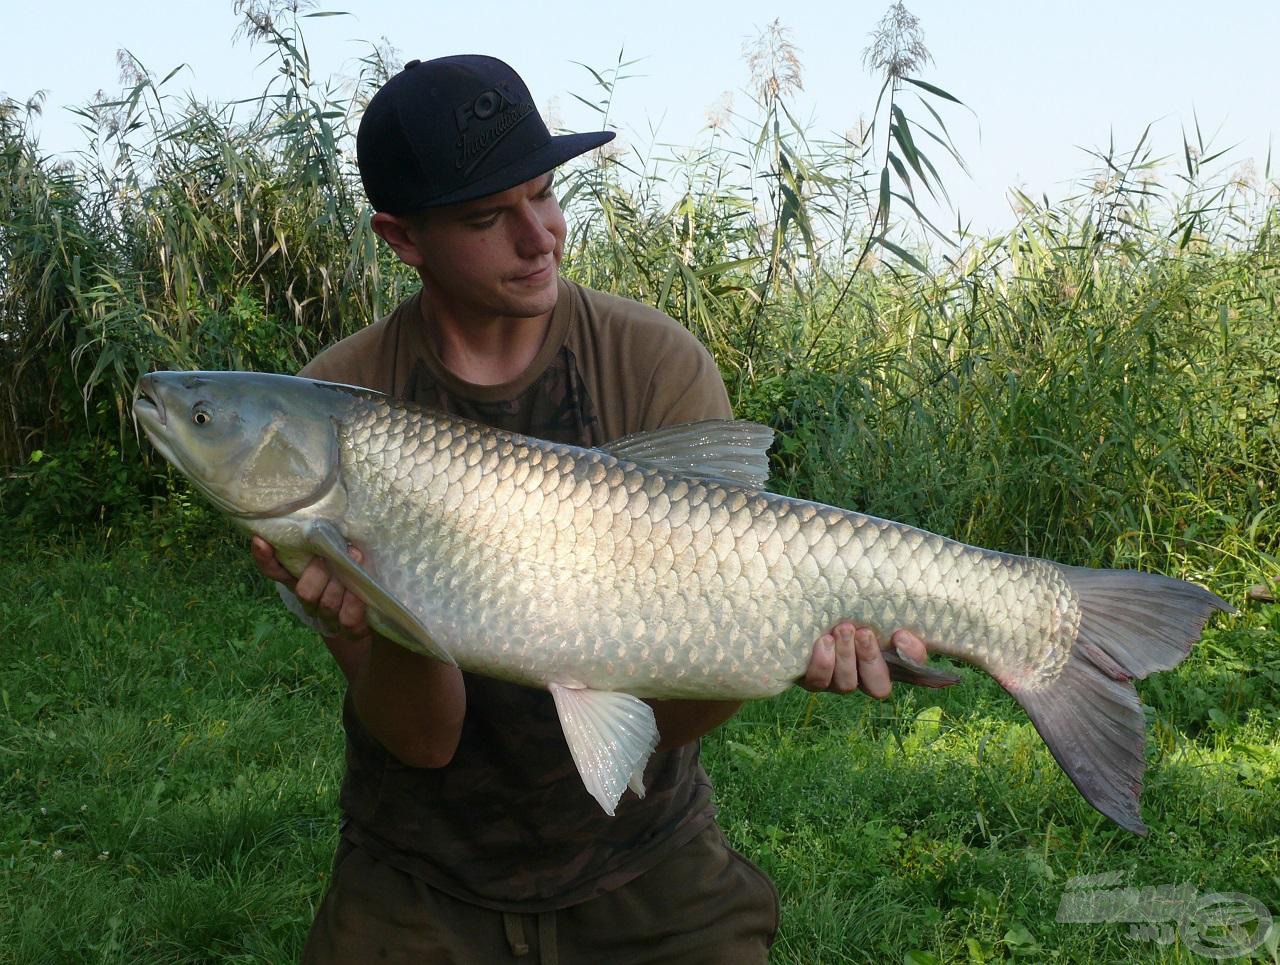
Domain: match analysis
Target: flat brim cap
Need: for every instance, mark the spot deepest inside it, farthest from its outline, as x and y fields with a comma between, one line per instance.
x=455, y=129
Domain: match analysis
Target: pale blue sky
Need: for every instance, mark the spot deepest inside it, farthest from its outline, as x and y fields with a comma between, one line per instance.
x=1043, y=79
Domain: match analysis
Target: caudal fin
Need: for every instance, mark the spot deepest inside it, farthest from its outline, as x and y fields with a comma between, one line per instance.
x=1131, y=625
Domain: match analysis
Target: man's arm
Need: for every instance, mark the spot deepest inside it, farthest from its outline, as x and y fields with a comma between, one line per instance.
x=412, y=704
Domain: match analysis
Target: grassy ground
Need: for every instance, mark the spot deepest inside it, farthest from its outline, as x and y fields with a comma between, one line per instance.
x=170, y=752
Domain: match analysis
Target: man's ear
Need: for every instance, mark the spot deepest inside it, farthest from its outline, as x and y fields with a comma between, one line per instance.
x=395, y=232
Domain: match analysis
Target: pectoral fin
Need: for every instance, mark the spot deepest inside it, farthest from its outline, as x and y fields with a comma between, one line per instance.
x=610, y=736
x=405, y=628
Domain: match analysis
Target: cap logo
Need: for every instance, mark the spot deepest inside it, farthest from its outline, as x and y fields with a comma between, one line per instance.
x=484, y=106
x=485, y=121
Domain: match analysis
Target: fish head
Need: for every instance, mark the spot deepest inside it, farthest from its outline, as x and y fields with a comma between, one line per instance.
x=257, y=445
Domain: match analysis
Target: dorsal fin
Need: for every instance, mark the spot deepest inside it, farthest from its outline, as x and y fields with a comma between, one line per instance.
x=723, y=450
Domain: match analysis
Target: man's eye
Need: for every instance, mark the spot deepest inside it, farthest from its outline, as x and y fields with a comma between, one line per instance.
x=484, y=222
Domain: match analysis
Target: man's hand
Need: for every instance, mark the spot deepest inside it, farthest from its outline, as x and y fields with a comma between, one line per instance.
x=321, y=594
x=849, y=658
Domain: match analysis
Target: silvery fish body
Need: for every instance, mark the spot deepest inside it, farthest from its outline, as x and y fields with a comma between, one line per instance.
x=657, y=568
x=540, y=563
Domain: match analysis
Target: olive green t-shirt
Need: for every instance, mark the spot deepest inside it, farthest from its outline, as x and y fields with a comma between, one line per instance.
x=507, y=823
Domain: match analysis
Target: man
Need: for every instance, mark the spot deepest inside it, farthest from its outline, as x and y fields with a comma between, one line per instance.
x=467, y=833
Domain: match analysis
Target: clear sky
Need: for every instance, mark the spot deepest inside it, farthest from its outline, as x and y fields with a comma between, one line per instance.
x=1044, y=80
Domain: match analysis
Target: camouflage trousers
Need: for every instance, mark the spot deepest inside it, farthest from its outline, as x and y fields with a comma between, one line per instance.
x=704, y=904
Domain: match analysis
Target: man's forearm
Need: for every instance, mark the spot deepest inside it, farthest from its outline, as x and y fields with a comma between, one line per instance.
x=412, y=704
x=682, y=721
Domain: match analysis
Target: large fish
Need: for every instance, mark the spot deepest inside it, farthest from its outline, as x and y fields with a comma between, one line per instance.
x=655, y=567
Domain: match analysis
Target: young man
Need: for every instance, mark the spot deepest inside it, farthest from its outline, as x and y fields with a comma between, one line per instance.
x=467, y=833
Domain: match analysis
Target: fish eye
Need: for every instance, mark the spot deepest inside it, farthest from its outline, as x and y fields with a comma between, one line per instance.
x=201, y=415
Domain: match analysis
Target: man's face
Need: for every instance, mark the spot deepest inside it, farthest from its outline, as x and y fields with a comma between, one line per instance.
x=495, y=256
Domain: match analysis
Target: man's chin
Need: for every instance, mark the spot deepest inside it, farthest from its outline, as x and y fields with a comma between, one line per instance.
x=531, y=301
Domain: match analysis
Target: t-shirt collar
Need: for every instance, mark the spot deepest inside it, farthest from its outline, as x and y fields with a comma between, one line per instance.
x=557, y=331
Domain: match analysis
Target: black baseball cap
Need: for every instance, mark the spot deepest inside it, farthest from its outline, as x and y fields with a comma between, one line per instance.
x=455, y=129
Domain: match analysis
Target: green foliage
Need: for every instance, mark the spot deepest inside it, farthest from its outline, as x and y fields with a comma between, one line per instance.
x=170, y=758
x=184, y=236
x=54, y=484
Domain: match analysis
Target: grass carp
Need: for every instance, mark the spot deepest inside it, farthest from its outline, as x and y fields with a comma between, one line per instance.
x=657, y=567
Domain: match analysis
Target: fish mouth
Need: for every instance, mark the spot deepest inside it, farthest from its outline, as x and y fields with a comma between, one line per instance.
x=149, y=411
x=148, y=405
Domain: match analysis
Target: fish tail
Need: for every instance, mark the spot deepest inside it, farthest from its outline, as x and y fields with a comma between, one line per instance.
x=1131, y=625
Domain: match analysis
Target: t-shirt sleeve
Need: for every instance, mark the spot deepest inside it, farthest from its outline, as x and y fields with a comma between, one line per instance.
x=366, y=358
x=686, y=385
x=347, y=361
x=641, y=369
x=324, y=369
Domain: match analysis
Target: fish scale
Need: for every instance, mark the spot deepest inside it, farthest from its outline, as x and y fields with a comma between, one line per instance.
x=656, y=568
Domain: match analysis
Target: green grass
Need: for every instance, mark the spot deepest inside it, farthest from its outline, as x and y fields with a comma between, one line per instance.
x=171, y=752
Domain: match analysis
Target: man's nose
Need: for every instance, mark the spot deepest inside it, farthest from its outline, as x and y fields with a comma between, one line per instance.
x=535, y=235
